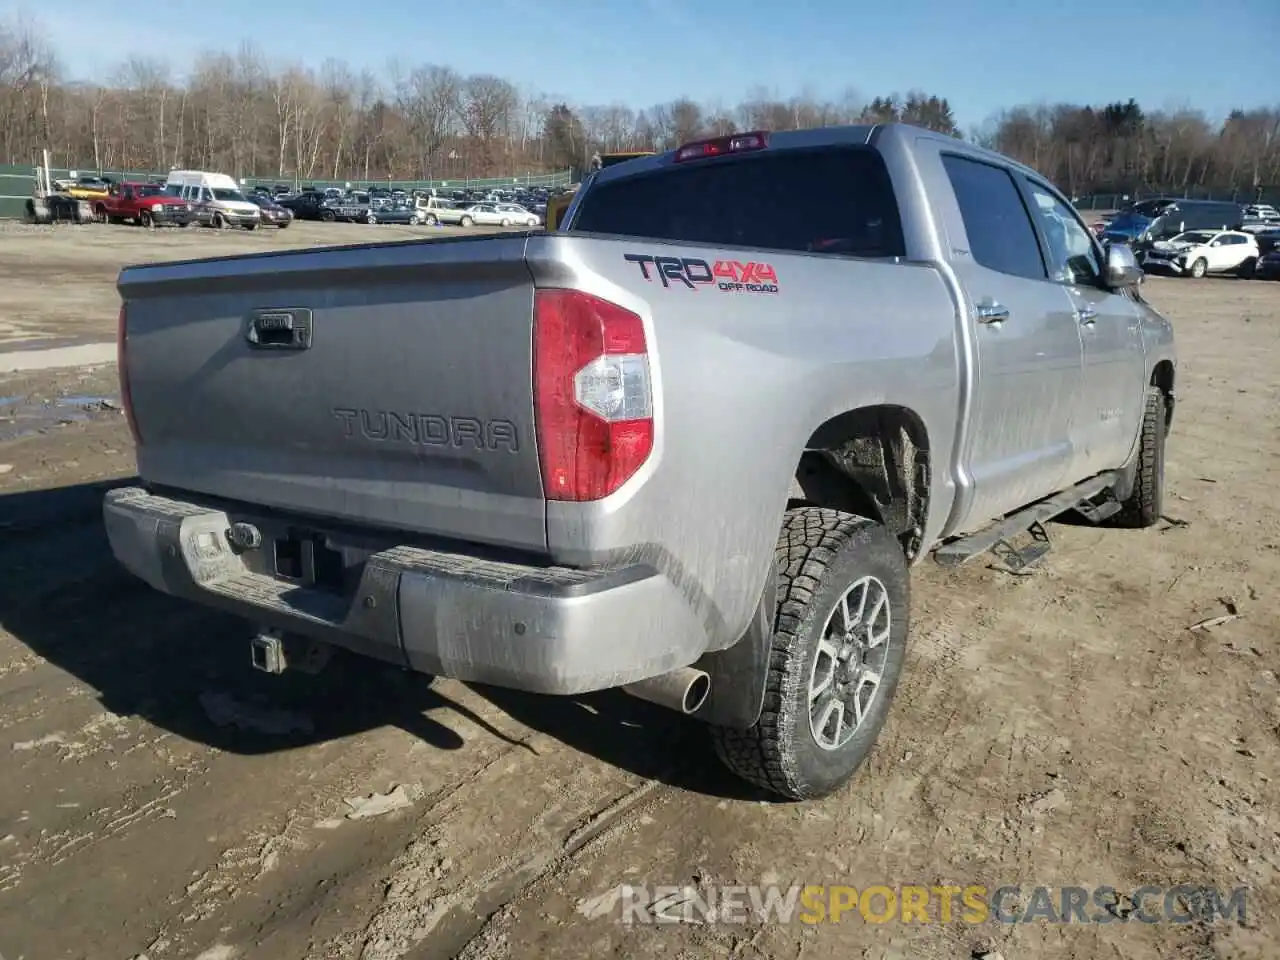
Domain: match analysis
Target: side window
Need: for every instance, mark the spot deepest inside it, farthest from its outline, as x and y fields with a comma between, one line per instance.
x=1074, y=258
x=127, y=192
x=1001, y=236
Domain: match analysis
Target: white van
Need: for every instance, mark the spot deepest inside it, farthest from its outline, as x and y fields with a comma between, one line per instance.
x=215, y=197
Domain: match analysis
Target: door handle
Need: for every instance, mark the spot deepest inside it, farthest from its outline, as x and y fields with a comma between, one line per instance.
x=992, y=312
x=1087, y=316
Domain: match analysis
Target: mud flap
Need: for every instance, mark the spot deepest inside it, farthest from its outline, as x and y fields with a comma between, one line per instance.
x=738, y=673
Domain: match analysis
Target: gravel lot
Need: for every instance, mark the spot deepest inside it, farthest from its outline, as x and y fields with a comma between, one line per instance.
x=1064, y=728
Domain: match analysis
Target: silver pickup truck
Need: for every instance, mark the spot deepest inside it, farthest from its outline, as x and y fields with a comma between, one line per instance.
x=689, y=445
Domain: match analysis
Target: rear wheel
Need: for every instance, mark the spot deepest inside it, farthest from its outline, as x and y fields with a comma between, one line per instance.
x=432, y=220
x=1199, y=268
x=837, y=652
x=465, y=222
x=506, y=223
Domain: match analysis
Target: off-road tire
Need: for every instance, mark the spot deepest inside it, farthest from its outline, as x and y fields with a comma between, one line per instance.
x=1199, y=269
x=1145, y=504
x=820, y=554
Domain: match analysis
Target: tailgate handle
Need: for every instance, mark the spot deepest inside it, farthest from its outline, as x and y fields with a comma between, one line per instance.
x=279, y=328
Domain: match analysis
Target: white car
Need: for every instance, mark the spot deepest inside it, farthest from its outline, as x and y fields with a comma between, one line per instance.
x=519, y=215
x=1199, y=252
x=498, y=215
x=1259, y=217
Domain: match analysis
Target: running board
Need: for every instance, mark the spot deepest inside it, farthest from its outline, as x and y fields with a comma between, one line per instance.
x=964, y=549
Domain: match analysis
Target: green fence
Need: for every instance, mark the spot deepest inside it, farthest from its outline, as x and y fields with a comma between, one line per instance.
x=1114, y=201
x=17, y=183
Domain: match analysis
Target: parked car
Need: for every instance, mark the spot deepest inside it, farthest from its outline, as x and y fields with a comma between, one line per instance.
x=145, y=204
x=396, y=213
x=1196, y=253
x=353, y=207
x=215, y=197
x=308, y=205
x=496, y=215
x=515, y=214
x=1145, y=222
x=436, y=210
x=558, y=499
x=88, y=188
x=1268, y=266
x=1259, y=217
x=273, y=214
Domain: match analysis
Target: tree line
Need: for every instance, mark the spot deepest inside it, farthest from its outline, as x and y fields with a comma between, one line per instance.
x=236, y=113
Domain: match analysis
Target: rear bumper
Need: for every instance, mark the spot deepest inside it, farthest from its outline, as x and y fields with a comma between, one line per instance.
x=546, y=630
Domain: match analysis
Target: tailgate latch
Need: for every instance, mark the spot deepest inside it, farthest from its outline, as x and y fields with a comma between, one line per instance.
x=279, y=328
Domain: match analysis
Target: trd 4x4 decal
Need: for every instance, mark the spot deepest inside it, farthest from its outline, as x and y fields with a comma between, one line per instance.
x=729, y=276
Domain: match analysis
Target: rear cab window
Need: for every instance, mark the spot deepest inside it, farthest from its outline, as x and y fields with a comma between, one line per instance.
x=753, y=201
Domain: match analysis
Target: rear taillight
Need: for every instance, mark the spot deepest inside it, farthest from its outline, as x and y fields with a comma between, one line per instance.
x=592, y=394
x=735, y=143
x=122, y=369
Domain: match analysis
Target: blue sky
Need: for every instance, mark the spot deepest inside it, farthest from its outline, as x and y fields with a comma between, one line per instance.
x=982, y=54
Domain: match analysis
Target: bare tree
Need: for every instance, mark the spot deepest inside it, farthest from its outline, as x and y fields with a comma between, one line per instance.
x=237, y=113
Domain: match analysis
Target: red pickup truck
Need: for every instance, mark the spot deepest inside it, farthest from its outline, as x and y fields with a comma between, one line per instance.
x=146, y=204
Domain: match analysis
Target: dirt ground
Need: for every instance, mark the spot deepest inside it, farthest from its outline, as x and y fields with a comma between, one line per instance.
x=1062, y=729
x=57, y=283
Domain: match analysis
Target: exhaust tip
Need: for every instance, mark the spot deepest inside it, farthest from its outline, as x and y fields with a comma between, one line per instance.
x=695, y=695
x=684, y=690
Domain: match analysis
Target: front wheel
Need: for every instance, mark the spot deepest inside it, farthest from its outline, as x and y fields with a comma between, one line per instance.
x=1145, y=504
x=250, y=226
x=144, y=220
x=1248, y=268
x=838, y=646
x=1199, y=269
x=328, y=216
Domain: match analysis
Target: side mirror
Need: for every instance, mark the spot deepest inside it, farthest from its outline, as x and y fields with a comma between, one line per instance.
x=1122, y=270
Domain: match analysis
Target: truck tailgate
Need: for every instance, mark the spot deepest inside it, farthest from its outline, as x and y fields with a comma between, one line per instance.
x=386, y=385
